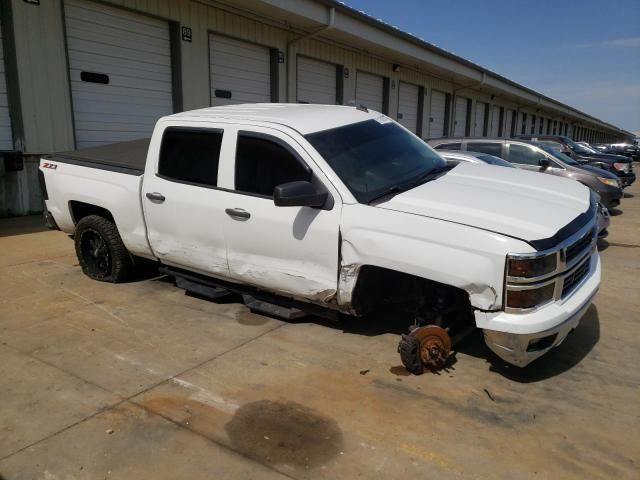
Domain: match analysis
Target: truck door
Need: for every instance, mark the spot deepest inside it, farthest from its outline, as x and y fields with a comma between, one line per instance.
x=290, y=250
x=183, y=209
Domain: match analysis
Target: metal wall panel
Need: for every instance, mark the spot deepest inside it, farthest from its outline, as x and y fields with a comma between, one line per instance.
x=408, y=105
x=132, y=54
x=6, y=137
x=370, y=90
x=460, y=120
x=316, y=81
x=437, y=115
x=239, y=69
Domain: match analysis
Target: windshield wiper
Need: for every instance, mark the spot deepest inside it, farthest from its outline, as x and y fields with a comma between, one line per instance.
x=432, y=174
x=424, y=178
x=394, y=190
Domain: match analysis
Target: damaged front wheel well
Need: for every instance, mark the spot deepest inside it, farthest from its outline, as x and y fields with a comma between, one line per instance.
x=431, y=301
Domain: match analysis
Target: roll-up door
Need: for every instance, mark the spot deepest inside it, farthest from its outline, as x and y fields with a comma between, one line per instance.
x=494, y=131
x=239, y=72
x=317, y=81
x=370, y=91
x=408, y=106
x=508, y=122
x=460, y=123
x=120, y=72
x=6, y=138
x=479, y=120
x=437, y=114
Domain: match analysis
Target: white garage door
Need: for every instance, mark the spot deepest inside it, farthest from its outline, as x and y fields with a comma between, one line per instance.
x=240, y=72
x=6, y=139
x=120, y=72
x=408, y=106
x=508, y=121
x=437, y=114
x=481, y=108
x=370, y=91
x=460, y=125
x=316, y=81
x=494, y=130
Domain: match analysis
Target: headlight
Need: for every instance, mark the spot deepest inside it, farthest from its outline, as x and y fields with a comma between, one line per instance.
x=531, y=267
x=612, y=182
x=531, y=297
x=620, y=166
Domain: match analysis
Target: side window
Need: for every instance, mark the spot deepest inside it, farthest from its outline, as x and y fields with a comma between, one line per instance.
x=190, y=155
x=448, y=146
x=524, y=155
x=494, y=149
x=262, y=164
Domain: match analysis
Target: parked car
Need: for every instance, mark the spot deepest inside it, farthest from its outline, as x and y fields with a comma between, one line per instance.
x=619, y=164
x=540, y=158
x=454, y=158
x=337, y=210
x=626, y=149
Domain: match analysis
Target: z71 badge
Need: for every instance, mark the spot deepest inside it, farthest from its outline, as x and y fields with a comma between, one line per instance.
x=50, y=165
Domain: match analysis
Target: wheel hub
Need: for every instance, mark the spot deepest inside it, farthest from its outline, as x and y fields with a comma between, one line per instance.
x=425, y=347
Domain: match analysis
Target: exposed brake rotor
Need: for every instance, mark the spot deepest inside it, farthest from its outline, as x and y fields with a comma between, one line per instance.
x=425, y=347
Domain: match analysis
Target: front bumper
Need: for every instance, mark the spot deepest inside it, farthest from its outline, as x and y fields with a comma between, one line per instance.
x=522, y=338
x=610, y=197
x=627, y=179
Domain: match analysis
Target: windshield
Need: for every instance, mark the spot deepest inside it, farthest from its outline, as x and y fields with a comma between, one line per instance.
x=491, y=160
x=578, y=148
x=376, y=156
x=558, y=154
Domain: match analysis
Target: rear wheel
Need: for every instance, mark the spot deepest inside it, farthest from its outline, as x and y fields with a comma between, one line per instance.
x=100, y=250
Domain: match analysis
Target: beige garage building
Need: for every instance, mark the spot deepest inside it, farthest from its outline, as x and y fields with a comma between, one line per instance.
x=79, y=73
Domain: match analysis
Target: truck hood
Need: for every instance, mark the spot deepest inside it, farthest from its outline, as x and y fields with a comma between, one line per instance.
x=526, y=205
x=609, y=157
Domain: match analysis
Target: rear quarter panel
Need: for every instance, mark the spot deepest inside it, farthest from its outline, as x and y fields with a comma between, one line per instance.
x=119, y=193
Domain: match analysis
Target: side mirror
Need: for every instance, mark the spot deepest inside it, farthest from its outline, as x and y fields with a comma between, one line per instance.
x=544, y=163
x=298, y=194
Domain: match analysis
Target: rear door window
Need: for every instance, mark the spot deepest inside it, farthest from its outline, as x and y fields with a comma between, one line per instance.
x=190, y=155
x=262, y=163
x=494, y=149
x=524, y=155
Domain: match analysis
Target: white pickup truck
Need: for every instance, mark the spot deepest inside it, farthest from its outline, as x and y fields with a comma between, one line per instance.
x=335, y=210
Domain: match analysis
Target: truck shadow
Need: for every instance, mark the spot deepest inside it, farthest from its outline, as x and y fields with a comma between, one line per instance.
x=570, y=353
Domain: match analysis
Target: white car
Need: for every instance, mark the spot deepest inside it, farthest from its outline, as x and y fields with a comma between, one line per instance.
x=336, y=210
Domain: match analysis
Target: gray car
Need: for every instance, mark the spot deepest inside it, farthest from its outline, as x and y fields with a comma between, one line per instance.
x=542, y=158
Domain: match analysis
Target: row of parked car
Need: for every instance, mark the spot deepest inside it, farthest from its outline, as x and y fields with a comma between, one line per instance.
x=627, y=149
x=604, y=173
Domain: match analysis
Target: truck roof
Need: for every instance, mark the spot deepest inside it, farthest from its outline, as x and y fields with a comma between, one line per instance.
x=304, y=118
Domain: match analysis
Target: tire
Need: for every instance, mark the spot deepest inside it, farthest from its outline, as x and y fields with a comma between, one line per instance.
x=100, y=250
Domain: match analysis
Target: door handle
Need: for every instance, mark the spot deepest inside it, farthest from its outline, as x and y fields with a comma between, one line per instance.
x=155, y=197
x=237, y=212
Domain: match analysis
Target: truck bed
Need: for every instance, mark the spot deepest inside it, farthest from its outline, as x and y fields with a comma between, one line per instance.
x=124, y=157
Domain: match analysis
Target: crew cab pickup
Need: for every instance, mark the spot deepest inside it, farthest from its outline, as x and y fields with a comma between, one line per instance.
x=336, y=210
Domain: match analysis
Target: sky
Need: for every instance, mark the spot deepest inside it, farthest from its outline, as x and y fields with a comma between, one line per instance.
x=585, y=53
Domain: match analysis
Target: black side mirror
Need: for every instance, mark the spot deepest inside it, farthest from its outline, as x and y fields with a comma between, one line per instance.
x=299, y=194
x=544, y=163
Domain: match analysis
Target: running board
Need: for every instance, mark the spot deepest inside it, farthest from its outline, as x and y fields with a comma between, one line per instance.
x=208, y=291
x=285, y=313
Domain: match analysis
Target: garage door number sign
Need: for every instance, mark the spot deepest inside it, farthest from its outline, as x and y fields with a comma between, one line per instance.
x=186, y=34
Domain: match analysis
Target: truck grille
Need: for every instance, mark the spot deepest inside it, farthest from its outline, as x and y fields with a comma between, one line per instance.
x=574, y=278
x=576, y=248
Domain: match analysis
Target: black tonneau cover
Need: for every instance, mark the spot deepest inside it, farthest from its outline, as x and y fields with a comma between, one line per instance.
x=124, y=157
